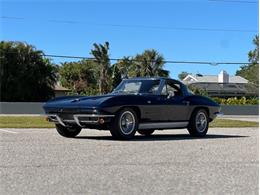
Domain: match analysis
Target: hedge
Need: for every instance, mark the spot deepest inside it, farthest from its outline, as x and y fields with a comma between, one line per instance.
x=237, y=101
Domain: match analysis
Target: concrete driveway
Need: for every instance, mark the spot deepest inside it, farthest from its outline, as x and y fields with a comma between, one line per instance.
x=39, y=161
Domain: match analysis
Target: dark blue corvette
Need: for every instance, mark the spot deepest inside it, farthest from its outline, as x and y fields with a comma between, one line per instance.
x=138, y=104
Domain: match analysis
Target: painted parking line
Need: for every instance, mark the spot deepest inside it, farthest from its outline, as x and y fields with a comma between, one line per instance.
x=8, y=131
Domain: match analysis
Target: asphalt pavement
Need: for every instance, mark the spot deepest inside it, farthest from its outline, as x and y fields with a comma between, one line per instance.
x=39, y=161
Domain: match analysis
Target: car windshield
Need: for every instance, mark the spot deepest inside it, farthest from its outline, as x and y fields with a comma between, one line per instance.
x=138, y=86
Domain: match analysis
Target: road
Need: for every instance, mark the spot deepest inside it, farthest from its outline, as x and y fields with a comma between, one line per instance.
x=39, y=161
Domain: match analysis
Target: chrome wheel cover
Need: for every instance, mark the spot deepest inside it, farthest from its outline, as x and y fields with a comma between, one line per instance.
x=201, y=122
x=127, y=122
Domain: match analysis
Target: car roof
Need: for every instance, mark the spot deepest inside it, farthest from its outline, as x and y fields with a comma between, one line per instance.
x=151, y=78
x=183, y=87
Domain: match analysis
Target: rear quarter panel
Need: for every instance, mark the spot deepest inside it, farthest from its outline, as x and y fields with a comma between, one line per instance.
x=197, y=101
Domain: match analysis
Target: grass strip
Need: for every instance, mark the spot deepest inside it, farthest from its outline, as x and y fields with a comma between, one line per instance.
x=40, y=122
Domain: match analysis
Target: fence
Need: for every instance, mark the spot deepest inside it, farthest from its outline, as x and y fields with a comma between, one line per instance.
x=21, y=108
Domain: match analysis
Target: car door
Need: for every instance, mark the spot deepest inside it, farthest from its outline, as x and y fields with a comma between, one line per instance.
x=150, y=107
x=173, y=105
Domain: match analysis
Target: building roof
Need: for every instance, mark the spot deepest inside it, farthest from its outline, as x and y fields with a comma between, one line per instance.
x=212, y=79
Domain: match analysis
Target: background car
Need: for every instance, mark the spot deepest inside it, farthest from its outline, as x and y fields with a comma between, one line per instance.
x=137, y=104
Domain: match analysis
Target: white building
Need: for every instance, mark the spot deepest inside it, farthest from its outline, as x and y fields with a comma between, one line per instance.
x=222, y=85
x=222, y=77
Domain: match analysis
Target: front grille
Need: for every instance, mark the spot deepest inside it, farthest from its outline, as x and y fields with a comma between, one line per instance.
x=70, y=111
x=88, y=118
x=66, y=116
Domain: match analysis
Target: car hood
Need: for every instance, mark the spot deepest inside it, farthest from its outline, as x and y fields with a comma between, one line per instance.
x=77, y=101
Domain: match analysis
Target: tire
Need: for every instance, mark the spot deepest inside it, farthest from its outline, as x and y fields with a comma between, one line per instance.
x=199, y=123
x=124, y=125
x=68, y=131
x=147, y=132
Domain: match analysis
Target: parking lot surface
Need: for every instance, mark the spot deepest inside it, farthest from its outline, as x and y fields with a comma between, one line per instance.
x=39, y=161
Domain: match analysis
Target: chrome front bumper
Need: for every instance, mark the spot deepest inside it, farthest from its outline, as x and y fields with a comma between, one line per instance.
x=76, y=119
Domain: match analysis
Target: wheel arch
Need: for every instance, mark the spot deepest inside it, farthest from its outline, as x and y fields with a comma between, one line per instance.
x=201, y=107
x=135, y=108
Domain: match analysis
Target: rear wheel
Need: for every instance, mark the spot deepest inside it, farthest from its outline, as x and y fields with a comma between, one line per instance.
x=68, y=131
x=124, y=124
x=147, y=132
x=199, y=123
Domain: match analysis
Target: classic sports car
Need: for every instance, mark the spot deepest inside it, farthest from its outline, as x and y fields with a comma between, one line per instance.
x=138, y=104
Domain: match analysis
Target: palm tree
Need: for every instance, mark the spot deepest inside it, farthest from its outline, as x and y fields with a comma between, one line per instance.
x=253, y=56
x=100, y=52
x=150, y=63
x=126, y=66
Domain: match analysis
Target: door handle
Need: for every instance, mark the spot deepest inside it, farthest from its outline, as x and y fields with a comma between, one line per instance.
x=149, y=102
x=186, y=102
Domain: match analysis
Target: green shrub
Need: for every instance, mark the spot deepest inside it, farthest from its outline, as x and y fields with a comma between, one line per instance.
x=237, y=101
x=198, y=91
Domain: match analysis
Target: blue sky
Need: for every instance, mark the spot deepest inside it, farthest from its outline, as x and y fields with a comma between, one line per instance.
x=144, y=25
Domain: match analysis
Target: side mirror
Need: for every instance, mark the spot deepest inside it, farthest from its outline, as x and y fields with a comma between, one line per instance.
x=170, y=94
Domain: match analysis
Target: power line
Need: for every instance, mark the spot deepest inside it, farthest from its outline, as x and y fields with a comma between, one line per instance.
x=134, y=60
x=234, y=1
x=138, y=26
x=165, y=61
x=12, y=18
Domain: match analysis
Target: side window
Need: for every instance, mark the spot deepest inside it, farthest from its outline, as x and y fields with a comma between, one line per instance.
x=150, y=86
x=154, y=87
x=176, y=89
x=172, y=88
x=164, y=90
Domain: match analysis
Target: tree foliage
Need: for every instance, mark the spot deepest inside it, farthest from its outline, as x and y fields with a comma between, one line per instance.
x=182, y=75
x=198, y=90
x=250, y=71
x=28, y=76
x=25, y=74
x=147, y=64
x=101, y=54
x=81, y=76
x=116, y=76
x=150, y=63
x=126, y=67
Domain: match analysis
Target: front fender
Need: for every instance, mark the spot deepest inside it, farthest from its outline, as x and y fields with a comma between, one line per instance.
x=113, y=104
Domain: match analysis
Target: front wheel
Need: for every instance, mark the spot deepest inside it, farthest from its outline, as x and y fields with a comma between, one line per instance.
x=199, y=123
x=68, y=131
x=124, y=124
